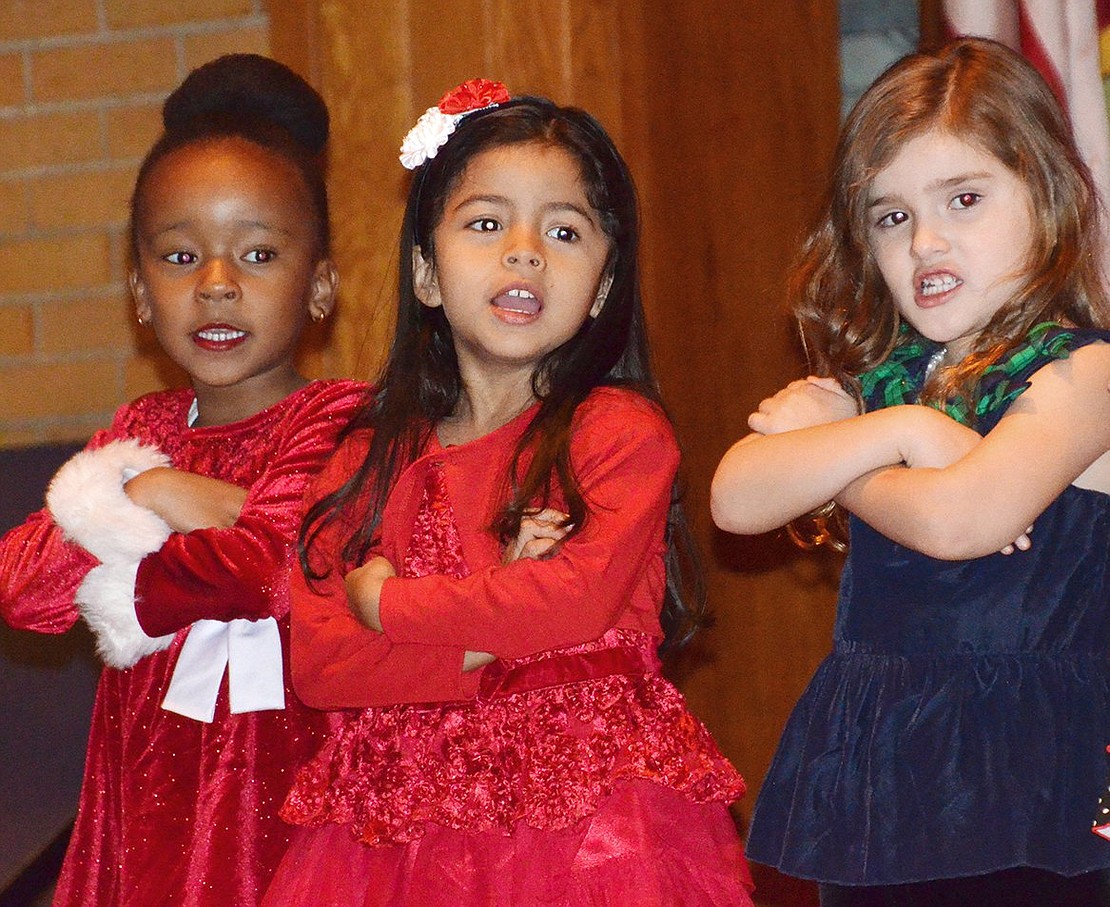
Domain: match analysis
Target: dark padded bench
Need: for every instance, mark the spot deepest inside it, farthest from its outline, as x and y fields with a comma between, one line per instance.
x=46, y=695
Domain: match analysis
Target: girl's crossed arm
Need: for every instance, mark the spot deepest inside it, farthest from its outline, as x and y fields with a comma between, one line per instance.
x=809, y=445
x=1054, y=433
x=964, y=497
x=225, y=571
x=338, y=663
x=187, y=501
x=626, y=462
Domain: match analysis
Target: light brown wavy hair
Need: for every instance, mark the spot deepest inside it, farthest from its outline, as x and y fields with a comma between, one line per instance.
x=982, y=93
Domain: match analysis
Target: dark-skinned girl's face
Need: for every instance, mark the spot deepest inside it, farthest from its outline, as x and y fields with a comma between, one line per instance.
x=227, y=271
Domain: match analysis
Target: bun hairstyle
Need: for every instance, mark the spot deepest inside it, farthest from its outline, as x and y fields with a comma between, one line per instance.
x=259, y=100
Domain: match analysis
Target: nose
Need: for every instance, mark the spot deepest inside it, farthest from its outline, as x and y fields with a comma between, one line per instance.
x=217, y=282
x=523, y=251
x=928, y=239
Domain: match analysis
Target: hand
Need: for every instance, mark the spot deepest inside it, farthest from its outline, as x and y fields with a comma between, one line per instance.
x=540, y=533
x=939, y=441
x=364, y=591
x=185, y=500
x=472, y=661
x=803, y=404
x=1021, y=543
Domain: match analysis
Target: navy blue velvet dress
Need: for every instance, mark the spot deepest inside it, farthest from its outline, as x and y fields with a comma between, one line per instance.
x=959, y=726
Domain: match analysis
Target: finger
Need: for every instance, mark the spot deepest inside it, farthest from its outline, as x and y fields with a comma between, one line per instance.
x=826, y=383
x=551, y=515
x=536, y=548
x=543, y=532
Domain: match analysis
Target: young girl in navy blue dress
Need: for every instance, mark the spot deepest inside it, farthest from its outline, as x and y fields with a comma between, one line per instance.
x=950, y=750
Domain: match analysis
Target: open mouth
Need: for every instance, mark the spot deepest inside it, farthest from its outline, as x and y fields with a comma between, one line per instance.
x=219, y=337
x=936, y=286
x=519, y=301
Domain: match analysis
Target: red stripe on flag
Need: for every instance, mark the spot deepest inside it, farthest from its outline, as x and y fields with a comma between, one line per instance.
x=1036, y=53
x=1102, y=10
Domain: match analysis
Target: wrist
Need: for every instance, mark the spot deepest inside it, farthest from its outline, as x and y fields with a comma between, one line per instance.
x=364, y=589
x=901, y=428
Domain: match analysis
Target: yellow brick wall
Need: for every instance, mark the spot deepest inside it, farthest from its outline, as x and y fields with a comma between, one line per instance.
x=81, y=87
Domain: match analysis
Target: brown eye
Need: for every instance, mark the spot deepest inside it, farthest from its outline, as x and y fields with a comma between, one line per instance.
x=180, y=257
x=966, y=200
x=563, y=234
x=484, y=225
x=893, y=219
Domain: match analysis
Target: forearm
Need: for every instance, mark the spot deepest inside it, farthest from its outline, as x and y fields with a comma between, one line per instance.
x=185, y=500
x=932, y=512
x=978, y=498
x=212, y=574
x=338, y=663
x=527, y=606
x=765, y=481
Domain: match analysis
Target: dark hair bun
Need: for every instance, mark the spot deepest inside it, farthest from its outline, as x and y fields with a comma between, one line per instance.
x=249, y=87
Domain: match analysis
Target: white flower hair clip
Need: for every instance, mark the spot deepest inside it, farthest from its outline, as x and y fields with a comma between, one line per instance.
x=436, y=124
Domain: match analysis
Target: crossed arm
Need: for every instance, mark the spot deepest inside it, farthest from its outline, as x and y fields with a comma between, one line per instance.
x=961, y=496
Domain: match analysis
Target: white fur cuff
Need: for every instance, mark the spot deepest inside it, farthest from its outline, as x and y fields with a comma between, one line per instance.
x=106, y=598
x=87, y=500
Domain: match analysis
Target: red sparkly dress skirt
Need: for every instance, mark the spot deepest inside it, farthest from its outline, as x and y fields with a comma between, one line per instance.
x=575, y=777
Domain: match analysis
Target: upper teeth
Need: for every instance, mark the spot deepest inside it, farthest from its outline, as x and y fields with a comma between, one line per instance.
x=219, y=335
x=523, y=294
x=930, y=286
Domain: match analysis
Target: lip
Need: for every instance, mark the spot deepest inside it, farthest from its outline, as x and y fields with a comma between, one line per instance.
x=219, y=337
x=517, y=303
x=935, y=287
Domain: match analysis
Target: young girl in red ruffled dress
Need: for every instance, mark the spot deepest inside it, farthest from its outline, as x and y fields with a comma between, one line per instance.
x=517, y=742
x=172, y=533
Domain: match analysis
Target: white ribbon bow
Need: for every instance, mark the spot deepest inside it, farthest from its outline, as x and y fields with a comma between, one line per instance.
x=250, y=650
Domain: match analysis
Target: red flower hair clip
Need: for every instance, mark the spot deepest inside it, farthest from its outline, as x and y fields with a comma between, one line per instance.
x=436, y=124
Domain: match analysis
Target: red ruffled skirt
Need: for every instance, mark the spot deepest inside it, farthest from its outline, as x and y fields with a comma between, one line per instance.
x=646, y=845
x=576, y=777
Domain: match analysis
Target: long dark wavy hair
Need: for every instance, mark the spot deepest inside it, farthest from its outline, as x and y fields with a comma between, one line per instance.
x=987, y=95
x=420, y=382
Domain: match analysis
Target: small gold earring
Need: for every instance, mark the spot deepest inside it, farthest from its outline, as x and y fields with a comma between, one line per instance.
x=319, y=316
x=141, y=320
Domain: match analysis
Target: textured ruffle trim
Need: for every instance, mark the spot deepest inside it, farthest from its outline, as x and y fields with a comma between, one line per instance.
x=545, y=757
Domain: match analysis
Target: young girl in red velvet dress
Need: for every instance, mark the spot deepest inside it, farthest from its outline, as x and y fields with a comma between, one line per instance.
x=172, y=533
x=517, y=742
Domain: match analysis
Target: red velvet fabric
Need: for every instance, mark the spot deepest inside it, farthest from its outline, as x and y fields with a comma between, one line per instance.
x=175, y=811
x=570, y=774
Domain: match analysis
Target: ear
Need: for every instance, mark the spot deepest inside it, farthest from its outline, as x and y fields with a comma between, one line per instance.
x=602, y=293
x=139, y=295
x=325, y=284
x=424, y=282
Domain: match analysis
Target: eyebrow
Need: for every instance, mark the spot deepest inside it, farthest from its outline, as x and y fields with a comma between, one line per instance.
x=950, y=182
x=549, y=207
x=248, y=224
